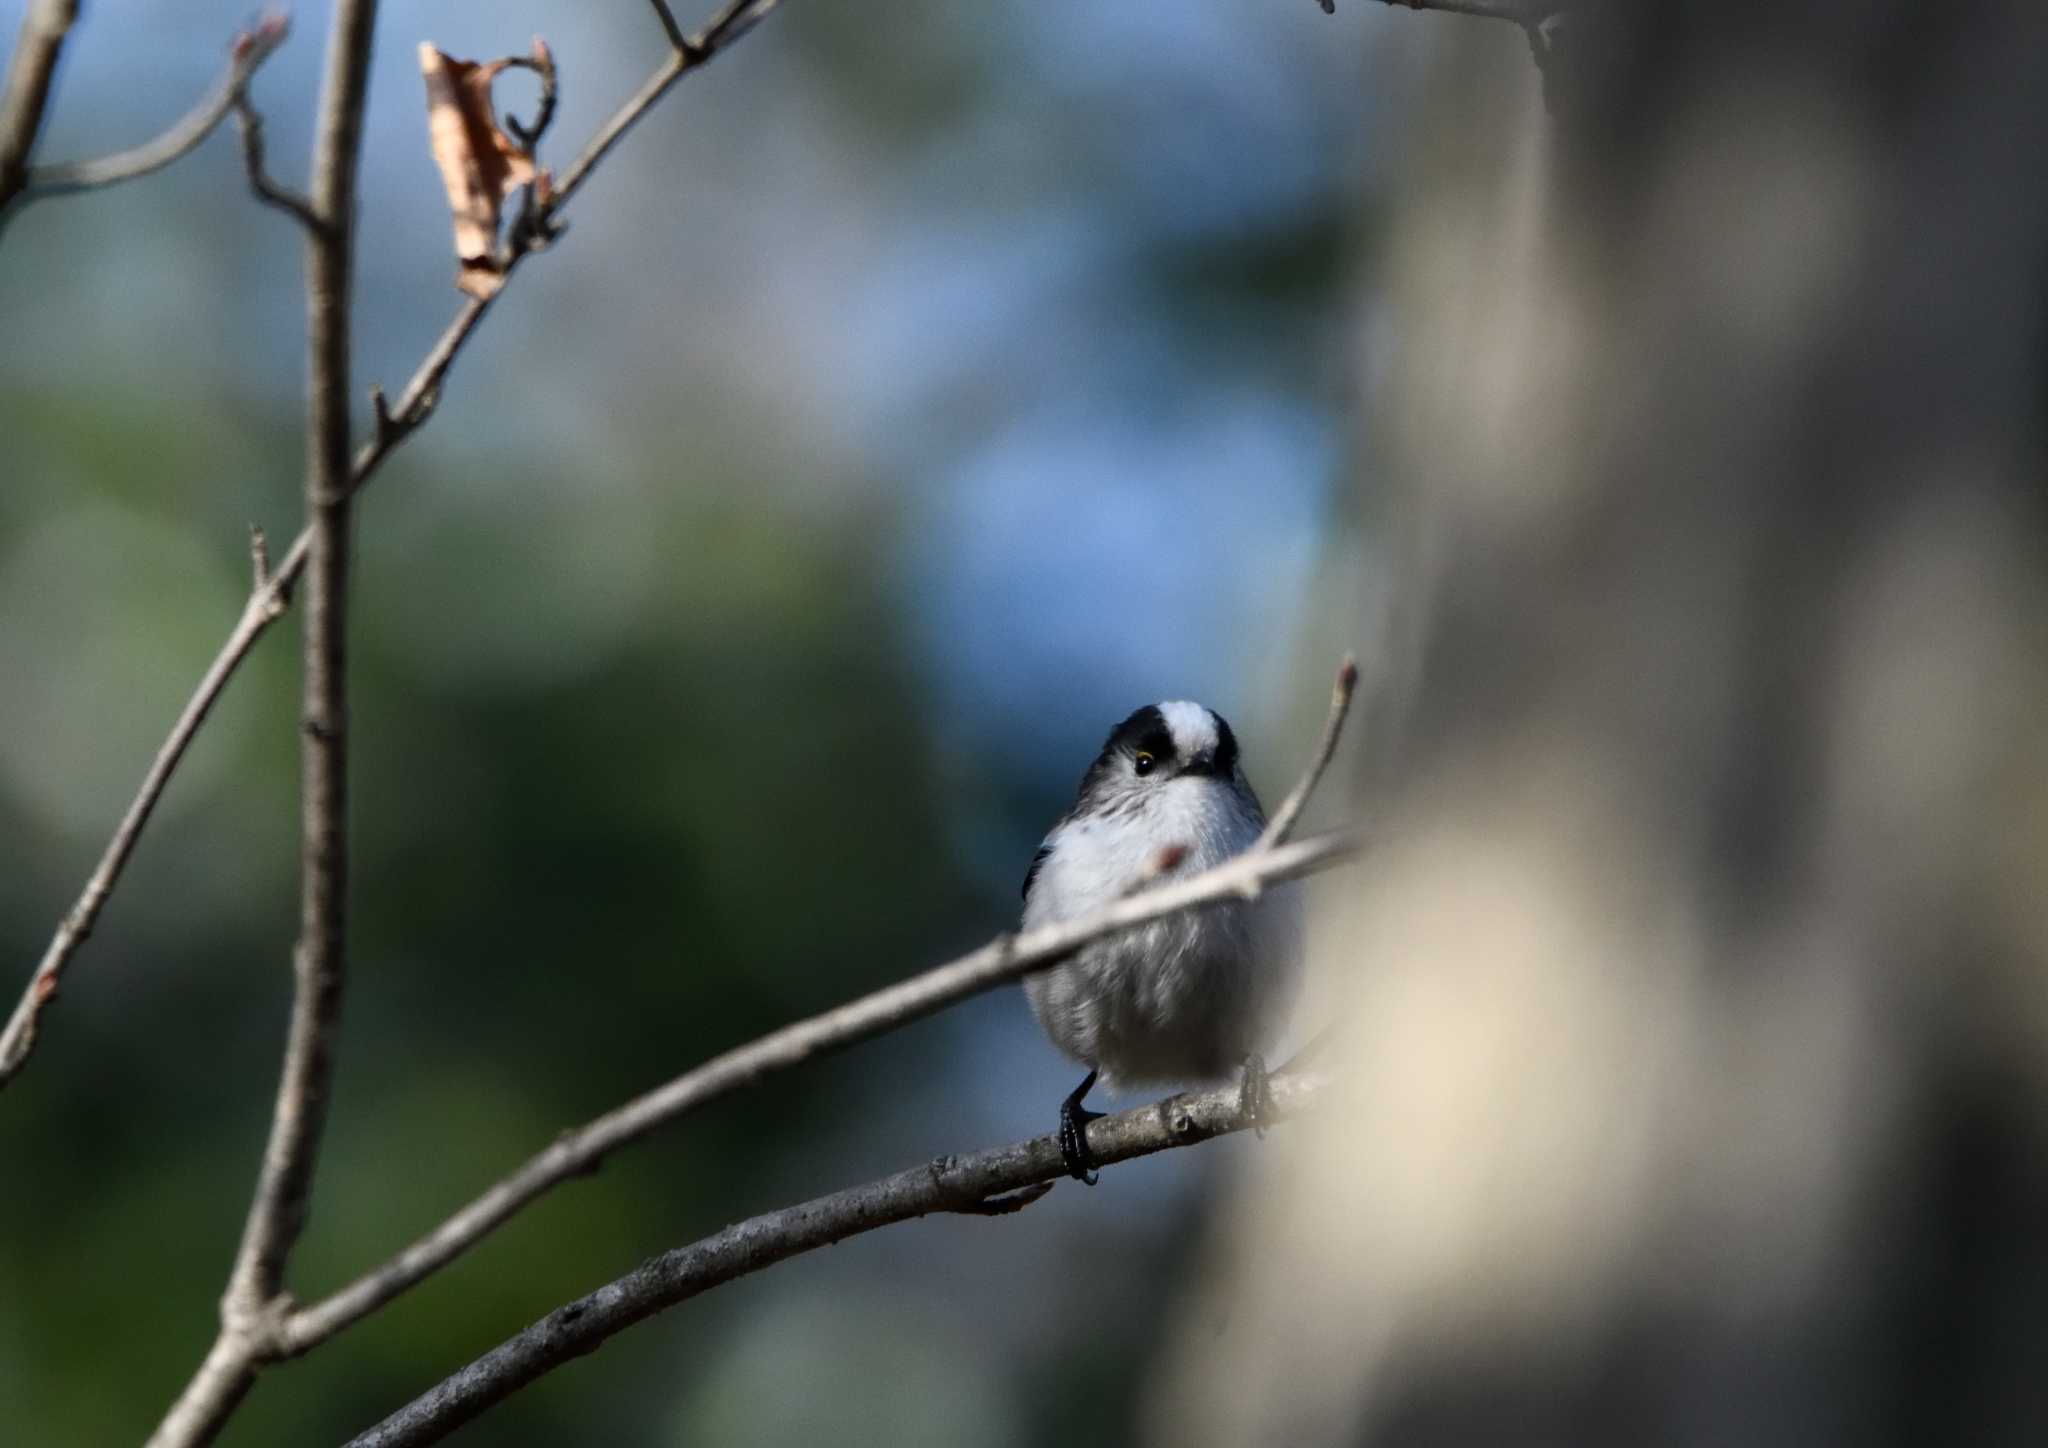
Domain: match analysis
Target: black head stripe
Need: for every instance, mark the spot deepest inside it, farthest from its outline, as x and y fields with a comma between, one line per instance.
x=1226, y=746
x=1144, y=729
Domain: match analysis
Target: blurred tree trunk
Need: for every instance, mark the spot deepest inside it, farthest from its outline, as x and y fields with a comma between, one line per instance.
x=1700, y=986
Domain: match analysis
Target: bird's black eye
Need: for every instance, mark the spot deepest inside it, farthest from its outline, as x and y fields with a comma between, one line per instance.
x=1143, y=761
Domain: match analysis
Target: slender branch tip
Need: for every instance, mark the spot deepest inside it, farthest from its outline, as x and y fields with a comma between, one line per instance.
x=1288, y=815
x=247, y=51
x=676, y=38
x=249, y=123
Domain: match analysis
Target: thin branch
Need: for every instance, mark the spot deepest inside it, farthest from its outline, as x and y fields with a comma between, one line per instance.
x=676, y=38
x=259, y=559
x=393, y=424
x=735, y=20
x=247, y=53
x=1541, y=22
x=255, y=1301
x=542, y=64
x=1284, y=818
x=1519, y=12
x=265, y=604
x=577, y=1153
x=1313, y=1047
x=947, y=1184
x=38, y=44
x=279, y=1209
x=732, y=22
x=269, y=192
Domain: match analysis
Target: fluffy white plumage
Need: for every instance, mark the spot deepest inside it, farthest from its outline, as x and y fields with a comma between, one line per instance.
x=1189, y=997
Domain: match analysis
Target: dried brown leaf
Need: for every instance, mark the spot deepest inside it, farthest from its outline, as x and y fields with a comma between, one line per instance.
x=480, y=163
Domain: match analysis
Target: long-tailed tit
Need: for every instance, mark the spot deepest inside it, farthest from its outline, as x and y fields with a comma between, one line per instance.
x=1194, y=996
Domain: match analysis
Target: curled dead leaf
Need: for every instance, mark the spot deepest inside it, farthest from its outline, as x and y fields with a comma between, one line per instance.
x=481, y=164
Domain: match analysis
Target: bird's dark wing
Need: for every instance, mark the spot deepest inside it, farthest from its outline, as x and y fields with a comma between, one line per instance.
x=1032, y=873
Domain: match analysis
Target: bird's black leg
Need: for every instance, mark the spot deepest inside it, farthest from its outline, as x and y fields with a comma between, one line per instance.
x=1074, y=1119
x=1255, y=1096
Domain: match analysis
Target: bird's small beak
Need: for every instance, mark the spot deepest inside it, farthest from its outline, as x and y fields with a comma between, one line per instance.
x=1203, y=763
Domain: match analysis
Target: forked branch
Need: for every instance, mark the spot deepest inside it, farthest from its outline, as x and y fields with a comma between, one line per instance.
x=1519, y=12
x=269, y=192
x=1281, y=826
x=989, y=1184
x=576, y=1153
x=32, y=183
x=394, y=422
x=255, y=1299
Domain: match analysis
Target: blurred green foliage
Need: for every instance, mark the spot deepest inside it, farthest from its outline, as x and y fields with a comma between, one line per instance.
x=647, y=752
x=566, y=894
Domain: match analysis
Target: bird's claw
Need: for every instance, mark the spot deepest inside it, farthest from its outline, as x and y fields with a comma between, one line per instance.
x=1074, y=1119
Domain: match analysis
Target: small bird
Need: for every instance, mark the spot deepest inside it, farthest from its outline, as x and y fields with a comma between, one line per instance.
x=1193, y=996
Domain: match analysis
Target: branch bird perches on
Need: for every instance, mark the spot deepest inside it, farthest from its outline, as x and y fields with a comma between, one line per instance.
x=989, y=1183
x=945, y=1184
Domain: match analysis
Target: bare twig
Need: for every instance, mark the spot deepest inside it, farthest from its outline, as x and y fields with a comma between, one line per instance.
x=668, y=24
x=36, y=47
x=1541, y=23
x=393, y=424
x=248, y=52
x=279, y=1209
x=264, y=605
x=1285, y=818
x=269, y=192
x=1313, y=1047
x=948, y=1184
x=255, y=1302
x=577, y=1153
x=1519, y=12
x=727, y=26
x=259, y=559
x=542, y=64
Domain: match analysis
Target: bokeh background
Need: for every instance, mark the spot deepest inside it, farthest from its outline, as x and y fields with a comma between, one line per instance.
x=917, y=390
x=914, y=395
